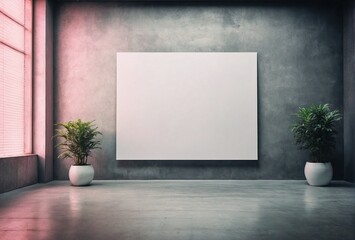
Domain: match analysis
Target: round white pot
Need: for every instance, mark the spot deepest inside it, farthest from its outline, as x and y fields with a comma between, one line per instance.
x=81, y=175
x=318, y=174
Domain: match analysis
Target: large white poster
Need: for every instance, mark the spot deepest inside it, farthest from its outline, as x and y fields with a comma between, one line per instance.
x=187, y=106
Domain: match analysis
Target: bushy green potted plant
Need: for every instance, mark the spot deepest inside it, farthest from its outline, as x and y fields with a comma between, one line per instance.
x=315, y=131
x=77, y=140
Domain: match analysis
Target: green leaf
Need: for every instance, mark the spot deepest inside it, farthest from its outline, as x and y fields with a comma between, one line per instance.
x=315, y=129
x=78, y=139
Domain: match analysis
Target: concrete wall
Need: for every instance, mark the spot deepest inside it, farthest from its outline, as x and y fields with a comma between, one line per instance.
x=299, y=63
x=17, y=172
x=349, y=91
x=43, y=88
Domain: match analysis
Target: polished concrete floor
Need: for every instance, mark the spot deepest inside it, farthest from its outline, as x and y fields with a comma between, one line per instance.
x=170, y=210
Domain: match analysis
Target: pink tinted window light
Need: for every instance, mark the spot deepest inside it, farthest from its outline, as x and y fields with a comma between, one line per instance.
x=14, y=9
x=13, y=75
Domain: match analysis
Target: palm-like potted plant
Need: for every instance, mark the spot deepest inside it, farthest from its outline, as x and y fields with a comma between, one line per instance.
x=315, y=131
x=78, y=140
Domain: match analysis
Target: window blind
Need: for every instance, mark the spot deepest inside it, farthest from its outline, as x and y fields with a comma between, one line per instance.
x=13, y=54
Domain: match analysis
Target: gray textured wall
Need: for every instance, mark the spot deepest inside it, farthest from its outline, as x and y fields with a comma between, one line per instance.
x=299, y=63
x=349, y=91
x=17, y=172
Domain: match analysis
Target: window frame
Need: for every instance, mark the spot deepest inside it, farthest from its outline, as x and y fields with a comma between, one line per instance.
x=28, y=75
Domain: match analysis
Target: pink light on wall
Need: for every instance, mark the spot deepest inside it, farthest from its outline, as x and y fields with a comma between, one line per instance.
x=15, y=76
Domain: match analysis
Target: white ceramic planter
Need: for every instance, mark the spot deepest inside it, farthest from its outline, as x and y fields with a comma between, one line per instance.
x=318, y=174
x=81, y=175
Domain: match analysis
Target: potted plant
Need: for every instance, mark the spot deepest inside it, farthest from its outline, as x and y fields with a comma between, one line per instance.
x=315, y=131
x=78, y=140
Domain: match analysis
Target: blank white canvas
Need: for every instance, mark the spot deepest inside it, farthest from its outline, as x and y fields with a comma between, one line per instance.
x=186, y=106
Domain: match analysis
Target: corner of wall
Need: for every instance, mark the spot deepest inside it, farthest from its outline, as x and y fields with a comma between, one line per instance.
x=43, y=88
x=349, y=88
